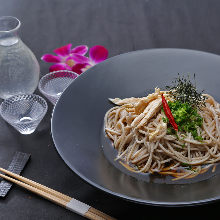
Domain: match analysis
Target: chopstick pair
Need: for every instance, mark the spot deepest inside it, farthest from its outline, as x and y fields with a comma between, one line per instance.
x=55, y=196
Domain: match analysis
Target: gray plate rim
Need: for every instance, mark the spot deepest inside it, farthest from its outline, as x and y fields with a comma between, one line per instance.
x=128, y=198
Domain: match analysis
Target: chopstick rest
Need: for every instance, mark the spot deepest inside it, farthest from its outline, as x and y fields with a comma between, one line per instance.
x=17, y=164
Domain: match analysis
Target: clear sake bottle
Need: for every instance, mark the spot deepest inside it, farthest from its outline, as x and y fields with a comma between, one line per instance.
x=19, y=68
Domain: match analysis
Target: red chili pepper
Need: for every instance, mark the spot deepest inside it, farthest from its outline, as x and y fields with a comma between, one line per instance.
x=168, y=113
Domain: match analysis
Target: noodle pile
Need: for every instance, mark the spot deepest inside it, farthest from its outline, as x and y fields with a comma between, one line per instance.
x=139, y=134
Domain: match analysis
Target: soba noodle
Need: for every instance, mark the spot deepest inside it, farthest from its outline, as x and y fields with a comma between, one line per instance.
x=139, y=134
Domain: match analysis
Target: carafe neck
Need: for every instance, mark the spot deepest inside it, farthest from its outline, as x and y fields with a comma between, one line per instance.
x=9, y=27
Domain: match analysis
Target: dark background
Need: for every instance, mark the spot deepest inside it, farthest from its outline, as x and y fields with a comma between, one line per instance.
x=120, y=26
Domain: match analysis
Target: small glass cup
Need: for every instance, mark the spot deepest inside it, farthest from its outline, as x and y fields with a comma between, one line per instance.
x=24, y=112
x=53, y=84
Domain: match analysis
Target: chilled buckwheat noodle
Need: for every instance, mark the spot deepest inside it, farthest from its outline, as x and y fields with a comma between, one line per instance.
x=139, y=134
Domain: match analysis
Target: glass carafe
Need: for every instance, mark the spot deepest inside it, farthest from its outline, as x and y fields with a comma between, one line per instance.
x=19, y=69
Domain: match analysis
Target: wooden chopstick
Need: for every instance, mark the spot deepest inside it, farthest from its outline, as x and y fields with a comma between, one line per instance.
x=37, y=185
x=56, y=197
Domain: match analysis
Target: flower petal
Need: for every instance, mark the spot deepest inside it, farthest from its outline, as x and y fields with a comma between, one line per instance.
x=80, y=67
x=79, y=58
x=59, y=66
x=63, y=51
x=98, y=53
x=51, y=58
x=81, y=49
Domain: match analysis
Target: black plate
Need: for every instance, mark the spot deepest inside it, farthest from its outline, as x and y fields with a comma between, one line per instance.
x=77, y=123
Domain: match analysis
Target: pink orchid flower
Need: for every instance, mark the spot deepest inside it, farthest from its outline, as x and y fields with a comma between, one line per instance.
x=74, y=59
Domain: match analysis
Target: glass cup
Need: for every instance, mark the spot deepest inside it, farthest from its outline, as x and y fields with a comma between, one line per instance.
x=53, y=84
x=24, y=112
